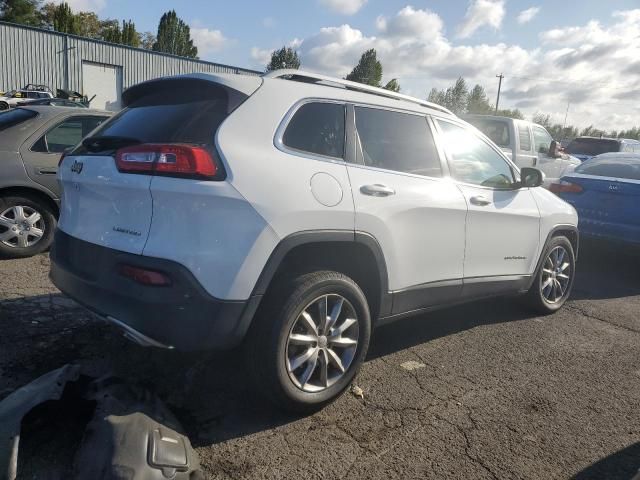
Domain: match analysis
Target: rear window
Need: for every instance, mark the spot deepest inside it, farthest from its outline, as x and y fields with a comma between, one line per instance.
x=15, y=117
x=317, y=128
x=496, y=130
x=627, y=168
x=525, y=138
x=592, y=146
x=168, y=115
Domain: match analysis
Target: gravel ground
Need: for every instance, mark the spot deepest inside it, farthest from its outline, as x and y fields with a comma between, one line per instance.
x=481, y=391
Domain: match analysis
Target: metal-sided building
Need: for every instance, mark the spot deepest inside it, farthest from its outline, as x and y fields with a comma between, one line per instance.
x=91, y=67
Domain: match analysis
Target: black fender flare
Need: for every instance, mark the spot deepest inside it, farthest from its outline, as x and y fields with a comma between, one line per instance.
x=323, y=236
x=553, y=233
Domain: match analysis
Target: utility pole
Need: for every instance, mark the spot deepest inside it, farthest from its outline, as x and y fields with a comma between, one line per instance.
x=565, y=117
x=501, y=76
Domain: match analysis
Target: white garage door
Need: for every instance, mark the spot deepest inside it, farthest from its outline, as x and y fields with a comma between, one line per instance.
x=103, y=81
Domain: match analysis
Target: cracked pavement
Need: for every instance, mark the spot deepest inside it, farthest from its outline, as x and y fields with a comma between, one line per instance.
x=485, y=390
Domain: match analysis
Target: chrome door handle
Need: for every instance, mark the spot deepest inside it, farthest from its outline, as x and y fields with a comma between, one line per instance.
x=377, y=190
x=480, y=200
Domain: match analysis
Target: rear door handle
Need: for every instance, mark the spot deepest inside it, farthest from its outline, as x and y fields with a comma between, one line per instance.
x=377, y=190
x=480, y=200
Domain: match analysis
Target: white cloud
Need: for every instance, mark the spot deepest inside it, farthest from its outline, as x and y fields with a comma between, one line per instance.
x=207, y=40
x=525, y=16
x=87, y=5
x=343, y=7
x=481, y=13
x=261, y=56
x=591, y=65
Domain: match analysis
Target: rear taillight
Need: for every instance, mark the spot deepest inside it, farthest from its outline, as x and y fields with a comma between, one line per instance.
x=169, y=160
x=144, y=276
x=565, y=187
x=64, y=154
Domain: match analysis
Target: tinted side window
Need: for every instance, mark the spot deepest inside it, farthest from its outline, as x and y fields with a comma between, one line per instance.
x=472, y=160
x=542, y=140
x=66, y=134
x=317, y=128
x=397, y=141
x=525, y=138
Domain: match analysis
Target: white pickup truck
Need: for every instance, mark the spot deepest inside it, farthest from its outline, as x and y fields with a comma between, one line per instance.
x=527, y=144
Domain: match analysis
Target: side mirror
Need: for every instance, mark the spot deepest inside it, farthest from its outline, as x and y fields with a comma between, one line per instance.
x=531, y=177
x=554, y=150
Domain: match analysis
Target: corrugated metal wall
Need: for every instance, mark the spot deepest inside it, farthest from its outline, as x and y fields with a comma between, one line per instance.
x=30, y=55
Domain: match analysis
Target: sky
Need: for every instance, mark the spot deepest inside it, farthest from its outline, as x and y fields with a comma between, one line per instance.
x=581, y=56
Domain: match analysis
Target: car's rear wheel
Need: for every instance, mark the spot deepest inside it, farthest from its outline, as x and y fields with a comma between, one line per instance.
x=554, y=278
x=4, y=106
x=26, y=226
x=309, y=341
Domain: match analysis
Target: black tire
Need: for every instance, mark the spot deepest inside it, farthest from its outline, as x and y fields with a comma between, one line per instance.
x=48, y=224
x=266, y=346
x=535, y=296
x=4, y=106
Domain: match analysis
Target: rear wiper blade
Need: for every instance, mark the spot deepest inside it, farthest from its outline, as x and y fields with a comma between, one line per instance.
x=98, y=144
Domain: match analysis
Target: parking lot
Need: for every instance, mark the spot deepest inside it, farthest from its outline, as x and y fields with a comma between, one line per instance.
x=481, y=391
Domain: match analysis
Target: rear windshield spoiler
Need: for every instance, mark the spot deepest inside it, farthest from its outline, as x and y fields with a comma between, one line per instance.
x=238, y=87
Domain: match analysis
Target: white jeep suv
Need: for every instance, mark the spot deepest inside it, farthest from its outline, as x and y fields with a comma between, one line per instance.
x=293, y=212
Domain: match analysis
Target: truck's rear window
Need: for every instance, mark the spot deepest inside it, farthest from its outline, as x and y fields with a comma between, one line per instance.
x=169, y=116
x=15, y=117
x=496, y=130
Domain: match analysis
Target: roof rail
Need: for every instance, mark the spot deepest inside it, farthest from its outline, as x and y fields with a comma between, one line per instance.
x=301, y=75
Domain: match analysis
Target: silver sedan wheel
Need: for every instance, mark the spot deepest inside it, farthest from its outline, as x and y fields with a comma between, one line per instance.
x=21, y=227
x=322, y=343
x=556, y=275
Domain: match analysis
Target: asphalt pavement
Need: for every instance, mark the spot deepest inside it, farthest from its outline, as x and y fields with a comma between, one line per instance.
x=485, y=390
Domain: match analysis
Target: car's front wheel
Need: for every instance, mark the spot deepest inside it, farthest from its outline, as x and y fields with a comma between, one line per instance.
x=26, y=226
x=309, y=341
x=554, y=279
x=4, y=106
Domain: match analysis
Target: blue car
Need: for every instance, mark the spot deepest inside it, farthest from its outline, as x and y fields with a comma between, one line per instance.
x=605, y=191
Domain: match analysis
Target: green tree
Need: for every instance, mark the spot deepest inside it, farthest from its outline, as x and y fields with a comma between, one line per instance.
x=64, y=20
x=368, y=70
x=392, y=85
x=110, y=31
x=455, y=98
x=89, y=25
x=286, y=57
x=174, y=36
x=515, y=113
x=147, y=40
x=591, y=131
x=24, y=12
x=437, y=96
x=129, y=34
x=477, y=101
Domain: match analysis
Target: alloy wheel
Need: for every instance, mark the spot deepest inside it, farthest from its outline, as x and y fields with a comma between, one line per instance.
x=21, y=226
x=556, y=275
x=322, y=343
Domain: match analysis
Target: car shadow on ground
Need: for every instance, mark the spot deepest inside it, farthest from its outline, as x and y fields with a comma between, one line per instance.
x=623, y=464
x=605, y=271
x=209, y=392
